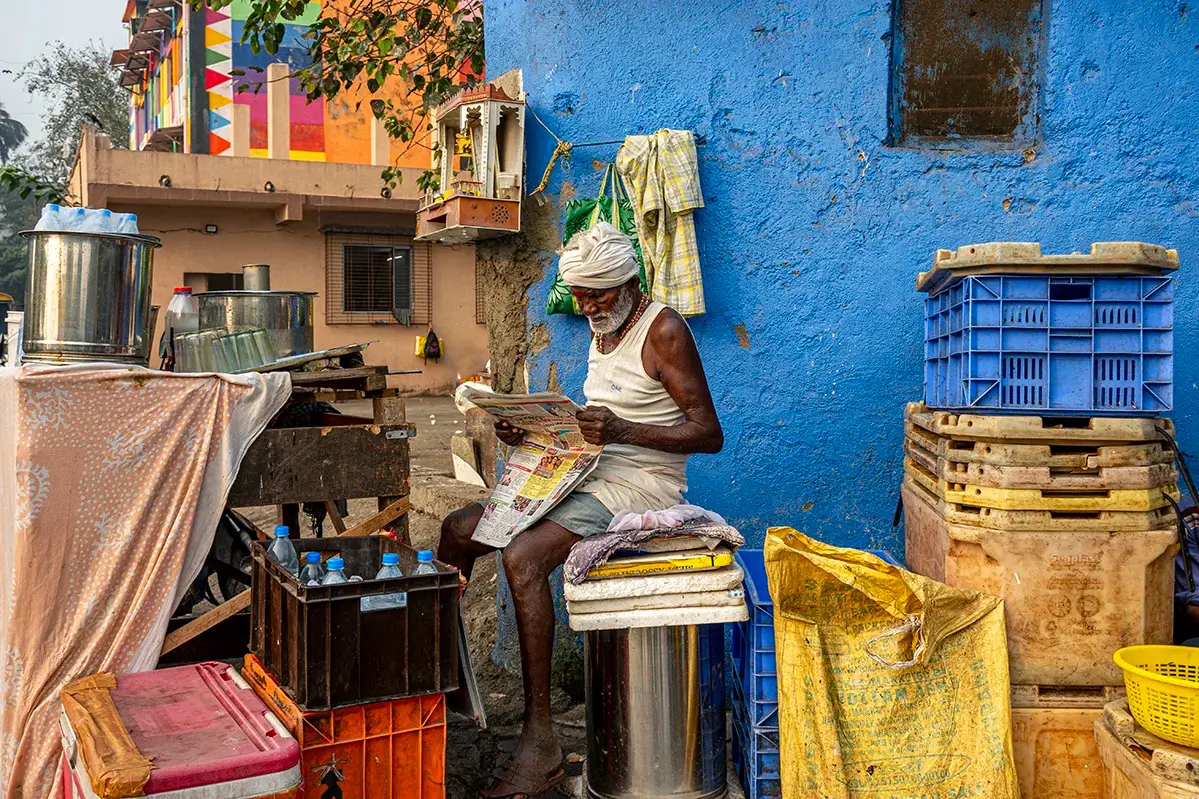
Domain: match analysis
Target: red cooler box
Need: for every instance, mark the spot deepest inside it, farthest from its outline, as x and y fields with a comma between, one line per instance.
x=202, y=727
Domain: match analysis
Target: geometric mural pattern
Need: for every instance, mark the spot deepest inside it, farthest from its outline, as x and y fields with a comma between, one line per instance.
x=218, y=44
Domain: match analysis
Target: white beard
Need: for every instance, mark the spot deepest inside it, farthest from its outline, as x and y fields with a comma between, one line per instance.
x=608, y=322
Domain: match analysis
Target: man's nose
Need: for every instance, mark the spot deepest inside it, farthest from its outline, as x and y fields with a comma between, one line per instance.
x=588, y=307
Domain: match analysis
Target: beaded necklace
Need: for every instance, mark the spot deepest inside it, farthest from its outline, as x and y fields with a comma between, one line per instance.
x=623, y=329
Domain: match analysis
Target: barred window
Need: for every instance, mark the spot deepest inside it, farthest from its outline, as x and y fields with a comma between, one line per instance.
x=965, y=70
x=376, y=279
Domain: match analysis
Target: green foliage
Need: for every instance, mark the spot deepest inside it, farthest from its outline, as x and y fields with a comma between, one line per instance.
x=12, y=133
x=16, y=214
x=75, y=86
x=429, y=44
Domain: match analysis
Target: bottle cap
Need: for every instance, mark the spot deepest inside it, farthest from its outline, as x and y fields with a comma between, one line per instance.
x=336, y=564
x=391, y=559
x=281, y=531
x=425, y=556
x=312, y=557
x=183, y=289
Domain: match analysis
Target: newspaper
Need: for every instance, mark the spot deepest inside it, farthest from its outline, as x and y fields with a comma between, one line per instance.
x=548, y=464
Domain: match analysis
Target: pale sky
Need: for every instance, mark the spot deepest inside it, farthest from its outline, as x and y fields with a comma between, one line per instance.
x=30, y=25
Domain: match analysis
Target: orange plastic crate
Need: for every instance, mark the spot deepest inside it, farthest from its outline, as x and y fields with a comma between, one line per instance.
x=393, y=749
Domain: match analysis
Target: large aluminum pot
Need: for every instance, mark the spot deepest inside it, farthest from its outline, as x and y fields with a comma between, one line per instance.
x=286, y=316
x=88, y=298
x=655, y=713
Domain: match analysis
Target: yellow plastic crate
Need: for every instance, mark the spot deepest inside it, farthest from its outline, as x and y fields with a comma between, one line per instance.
x=1062, y=501
x=1037, y=429
x=1040, y=520
x=1102, y=478
x=1054, y=456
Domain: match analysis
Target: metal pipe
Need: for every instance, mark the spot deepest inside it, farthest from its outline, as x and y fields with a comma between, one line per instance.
x=256, y=277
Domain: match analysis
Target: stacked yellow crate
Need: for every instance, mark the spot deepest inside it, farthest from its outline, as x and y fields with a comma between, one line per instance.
x=1071, y=522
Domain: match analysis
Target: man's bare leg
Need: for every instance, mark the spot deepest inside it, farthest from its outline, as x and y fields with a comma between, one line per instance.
x=456, y=548
x=528, y=562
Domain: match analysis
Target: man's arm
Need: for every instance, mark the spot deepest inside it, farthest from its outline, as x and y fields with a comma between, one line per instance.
x=670, y=356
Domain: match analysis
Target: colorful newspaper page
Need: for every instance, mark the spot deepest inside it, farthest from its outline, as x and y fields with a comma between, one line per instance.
x=550, y=462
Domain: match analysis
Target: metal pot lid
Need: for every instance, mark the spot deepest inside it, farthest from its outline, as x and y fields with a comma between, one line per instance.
x=246, y=293
x=151, y=240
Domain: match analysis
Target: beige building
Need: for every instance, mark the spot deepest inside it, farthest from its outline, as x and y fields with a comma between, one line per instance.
x=328, y=228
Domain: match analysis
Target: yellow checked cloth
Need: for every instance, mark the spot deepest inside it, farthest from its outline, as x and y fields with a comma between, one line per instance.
x=662, y=173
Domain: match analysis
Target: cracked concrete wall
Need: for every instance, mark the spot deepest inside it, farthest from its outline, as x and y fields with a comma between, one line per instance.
x=815, y=229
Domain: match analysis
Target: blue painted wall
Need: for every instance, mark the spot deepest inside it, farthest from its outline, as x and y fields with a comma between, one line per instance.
x=814, y=230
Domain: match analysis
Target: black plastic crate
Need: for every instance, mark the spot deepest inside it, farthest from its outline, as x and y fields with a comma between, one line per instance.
x=326, y=651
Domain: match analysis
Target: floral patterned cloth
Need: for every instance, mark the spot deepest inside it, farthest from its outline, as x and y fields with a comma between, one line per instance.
x=111, y=484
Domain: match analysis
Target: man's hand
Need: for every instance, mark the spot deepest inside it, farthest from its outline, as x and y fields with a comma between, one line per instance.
x=599, y=425
x=512, y=436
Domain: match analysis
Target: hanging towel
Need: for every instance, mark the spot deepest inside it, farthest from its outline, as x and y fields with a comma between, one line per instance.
x=662, y=172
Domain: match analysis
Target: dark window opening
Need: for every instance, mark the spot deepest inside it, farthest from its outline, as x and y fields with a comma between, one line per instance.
x=377, y=279
x=965, y=70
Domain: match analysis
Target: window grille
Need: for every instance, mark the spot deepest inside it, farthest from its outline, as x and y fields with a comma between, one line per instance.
x=377, y=279
x=965, y=70
x=480, y=294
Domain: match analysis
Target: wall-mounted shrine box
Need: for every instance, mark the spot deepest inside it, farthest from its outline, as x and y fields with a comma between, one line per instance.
x=480, y=134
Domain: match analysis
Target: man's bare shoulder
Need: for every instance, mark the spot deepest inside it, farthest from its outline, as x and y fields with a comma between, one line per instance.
x=670, y=329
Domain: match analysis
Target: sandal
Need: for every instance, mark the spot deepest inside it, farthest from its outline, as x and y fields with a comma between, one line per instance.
x=510, y=783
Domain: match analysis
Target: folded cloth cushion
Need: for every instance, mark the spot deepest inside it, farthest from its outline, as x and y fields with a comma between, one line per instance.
x=593, y=551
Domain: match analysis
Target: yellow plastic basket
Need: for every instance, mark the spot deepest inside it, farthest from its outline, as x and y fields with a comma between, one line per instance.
x=1163, y=690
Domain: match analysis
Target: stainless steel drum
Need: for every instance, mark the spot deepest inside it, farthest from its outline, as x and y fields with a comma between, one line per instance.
x=286, y=316
x=655, y=713
x=88, y=298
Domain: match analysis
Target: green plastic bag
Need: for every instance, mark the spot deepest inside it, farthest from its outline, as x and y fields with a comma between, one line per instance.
x=612, y=205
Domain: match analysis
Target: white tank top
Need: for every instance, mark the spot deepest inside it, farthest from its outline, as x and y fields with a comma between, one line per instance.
x=629, y=477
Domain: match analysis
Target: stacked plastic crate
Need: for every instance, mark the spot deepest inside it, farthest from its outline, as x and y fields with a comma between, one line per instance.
x=1038, y=469
x=357, y=672
x=755, y=696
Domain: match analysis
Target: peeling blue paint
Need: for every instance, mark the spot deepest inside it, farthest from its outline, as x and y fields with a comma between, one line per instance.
x=814, y=229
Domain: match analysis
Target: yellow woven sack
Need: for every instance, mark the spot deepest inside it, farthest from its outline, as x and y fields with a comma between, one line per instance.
x=891, y=685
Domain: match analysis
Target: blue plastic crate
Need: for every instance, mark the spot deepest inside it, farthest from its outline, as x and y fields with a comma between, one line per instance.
x=756, y=758
x=1064, y=345
x=755, y=671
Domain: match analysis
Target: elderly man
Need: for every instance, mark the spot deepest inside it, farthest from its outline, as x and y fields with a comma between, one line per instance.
x=649, y=405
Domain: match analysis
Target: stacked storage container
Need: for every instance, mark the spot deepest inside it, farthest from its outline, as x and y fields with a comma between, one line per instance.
x=1037, y=470
x=360, y=684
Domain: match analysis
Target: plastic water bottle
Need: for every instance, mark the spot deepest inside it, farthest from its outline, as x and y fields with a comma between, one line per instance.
x=424, y=563
x=72, y=220
x=336, y=573
x=51, y=218
x=283, y=551
x=126, y=224
x=390, y=570
x=97, y=220
x=391, y=567
x=182, y=316
x=313, y=572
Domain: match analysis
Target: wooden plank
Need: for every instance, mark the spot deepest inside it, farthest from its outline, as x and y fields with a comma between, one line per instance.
x=380, y=520
x=323, y=377
x=312, y=464
x=206, y=622
x=339, y=524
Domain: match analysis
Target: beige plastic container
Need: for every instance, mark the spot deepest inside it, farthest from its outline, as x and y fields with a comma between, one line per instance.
x=1037, y=429
x=1075, y=500
x=1043, y=476
x=1044, y=455
x=1138, y=765
x=1056, y=754
x=1071, y=598
x=1043, y=520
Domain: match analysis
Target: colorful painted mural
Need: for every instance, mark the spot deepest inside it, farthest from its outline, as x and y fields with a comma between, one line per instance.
x=233, y=75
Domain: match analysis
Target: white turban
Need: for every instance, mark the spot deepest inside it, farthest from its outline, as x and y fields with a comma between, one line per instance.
x=599, y=258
